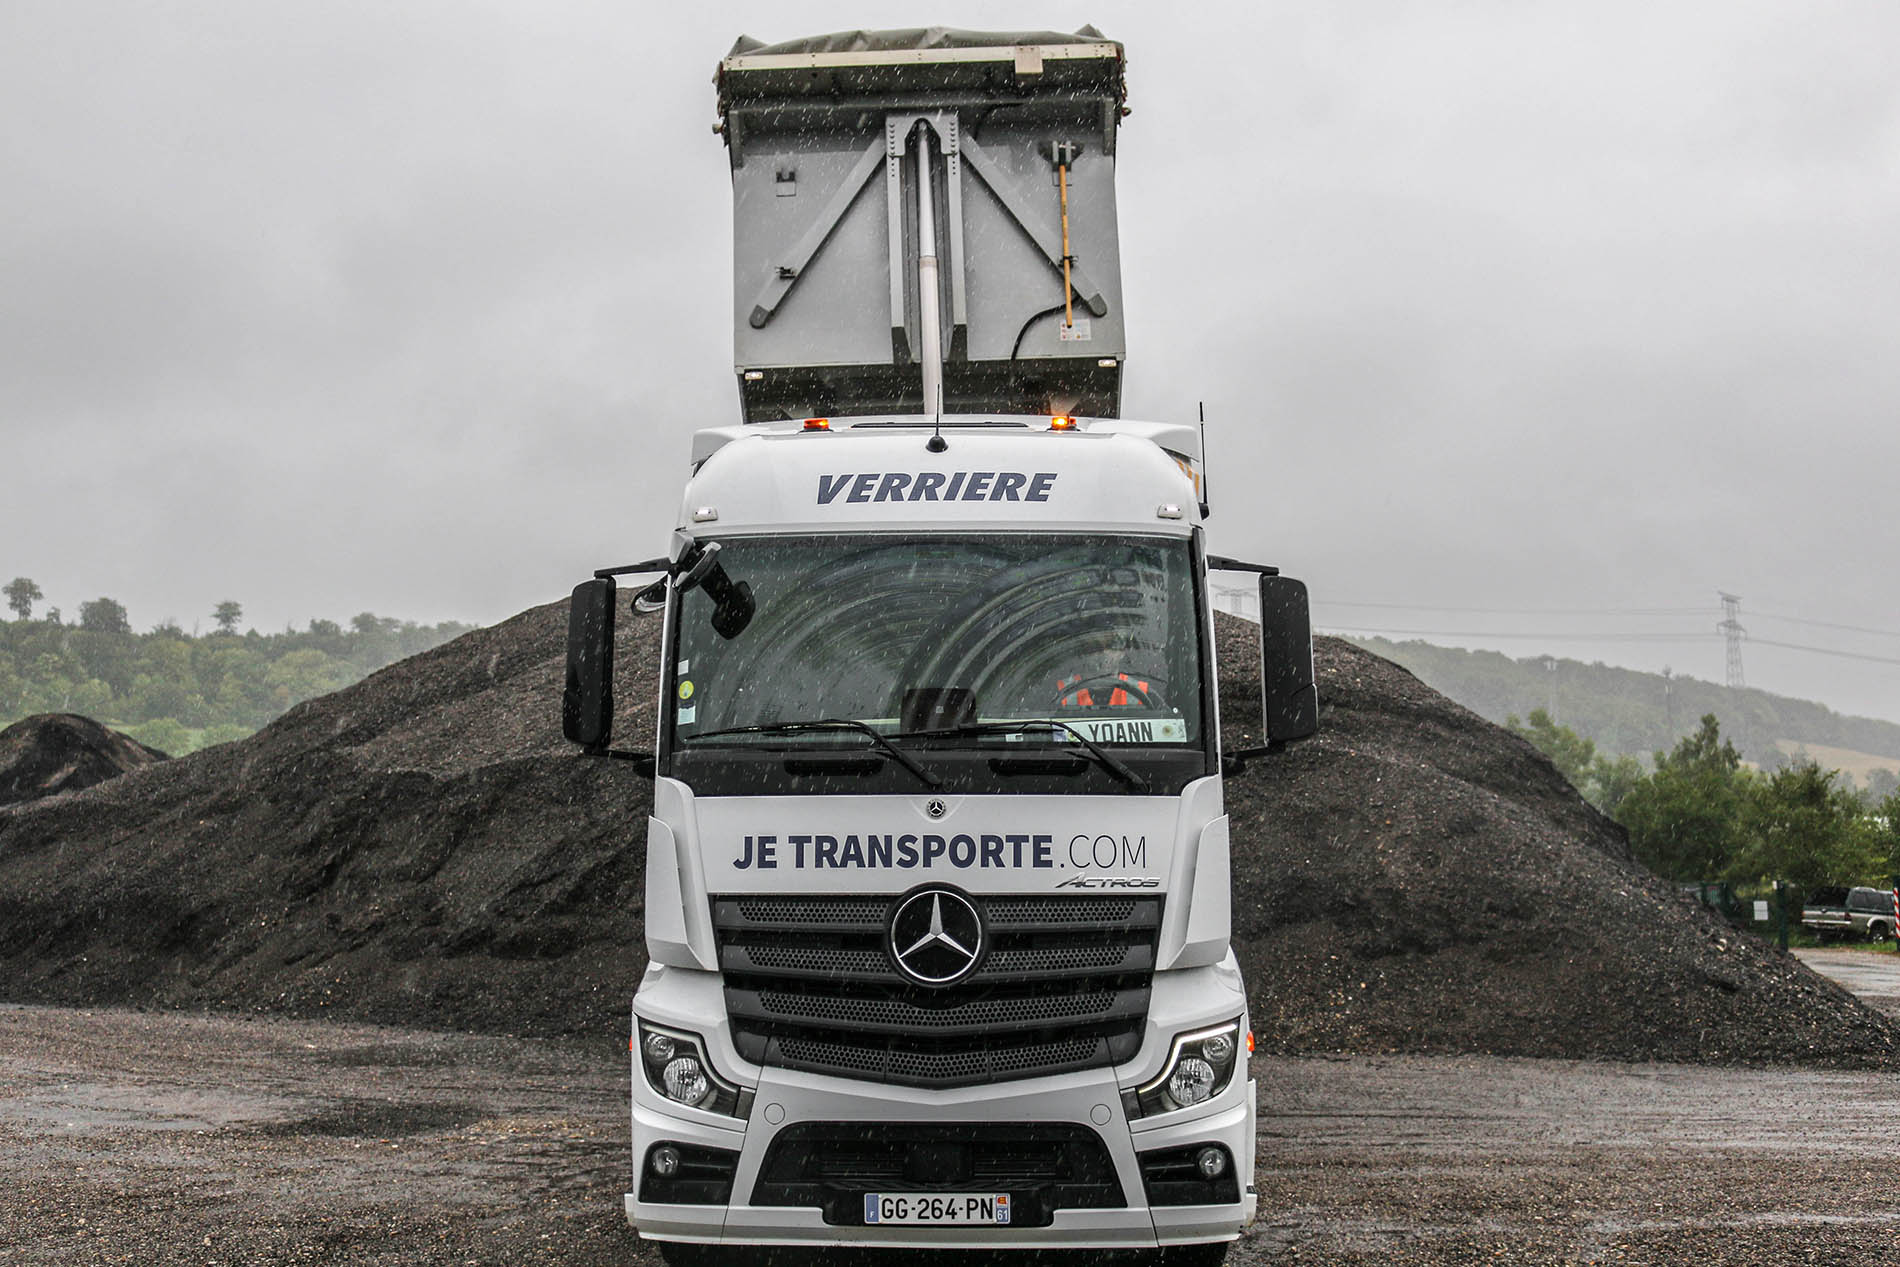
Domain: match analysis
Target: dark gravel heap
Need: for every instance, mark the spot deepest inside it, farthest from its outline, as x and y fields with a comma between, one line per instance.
x=1416, y=879
x=50, y=753
x=418, y=848
x=422, y=848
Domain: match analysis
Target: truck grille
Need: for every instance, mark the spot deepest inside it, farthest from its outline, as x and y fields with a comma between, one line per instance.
x=1064, y=985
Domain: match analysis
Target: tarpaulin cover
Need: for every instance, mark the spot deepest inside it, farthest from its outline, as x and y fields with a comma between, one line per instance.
x=911, y=38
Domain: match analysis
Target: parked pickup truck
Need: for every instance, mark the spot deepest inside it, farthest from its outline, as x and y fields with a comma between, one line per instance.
x=1860, y=913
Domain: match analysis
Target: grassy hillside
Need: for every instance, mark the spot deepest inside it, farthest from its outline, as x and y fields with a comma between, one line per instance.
x=1626, y=711
x=178, y=692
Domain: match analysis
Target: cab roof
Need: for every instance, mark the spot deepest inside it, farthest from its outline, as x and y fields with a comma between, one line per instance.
x=866, y=474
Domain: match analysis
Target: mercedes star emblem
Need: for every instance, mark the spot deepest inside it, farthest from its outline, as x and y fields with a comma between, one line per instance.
x=935, y=935
x=936, y=808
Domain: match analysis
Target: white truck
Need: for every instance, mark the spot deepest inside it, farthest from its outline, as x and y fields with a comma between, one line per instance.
x=937, y=901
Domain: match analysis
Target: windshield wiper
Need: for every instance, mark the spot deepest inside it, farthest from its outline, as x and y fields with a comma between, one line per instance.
x=830, y=723
x=1094, y=750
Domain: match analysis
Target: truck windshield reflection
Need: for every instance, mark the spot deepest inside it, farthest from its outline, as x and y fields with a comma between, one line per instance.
x=980, y=640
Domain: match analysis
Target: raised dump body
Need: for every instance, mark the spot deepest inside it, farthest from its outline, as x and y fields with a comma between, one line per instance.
x=899, y=203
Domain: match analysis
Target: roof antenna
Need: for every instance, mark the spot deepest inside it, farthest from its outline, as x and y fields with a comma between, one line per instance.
x=1205, y=490
x=936, y=443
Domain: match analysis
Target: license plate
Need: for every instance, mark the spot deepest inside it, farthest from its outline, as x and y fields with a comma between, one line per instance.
x=943, y=1209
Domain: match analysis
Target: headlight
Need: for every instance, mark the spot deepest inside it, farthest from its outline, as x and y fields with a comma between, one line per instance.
x=1200, y=1065
x=1191, y=1082
x=685, y=1080
x=677, y=1068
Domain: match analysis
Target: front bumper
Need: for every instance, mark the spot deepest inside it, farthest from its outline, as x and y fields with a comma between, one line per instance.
x=1091, y=1099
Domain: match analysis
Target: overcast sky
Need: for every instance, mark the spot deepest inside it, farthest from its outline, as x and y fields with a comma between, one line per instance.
x=411, y=307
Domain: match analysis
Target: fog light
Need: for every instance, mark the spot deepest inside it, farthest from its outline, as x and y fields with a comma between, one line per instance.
x=1211, y=1162
x=665, y=1161
x=686, y=1081
x=1191, y=1082
x=659, y=1048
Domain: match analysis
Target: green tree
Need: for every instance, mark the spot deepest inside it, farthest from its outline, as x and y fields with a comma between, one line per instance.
x=223, y=732
x=21, y=594
x=154, y=696
x=103, y=615
x=1684, y=819
x=12, y=689
x=164, y=734
x=218, y=684
x=227, y=614
x=89, y=698
x=1603, y=780
x=1612, y=779
x=1881, y=783
x=1801, y=826
x=305, y=674
x=1883, y=832
x=1570, y=752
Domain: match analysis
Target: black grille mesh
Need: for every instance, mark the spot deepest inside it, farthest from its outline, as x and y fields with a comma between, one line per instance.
x=1057, y=910
x=902, y=1065
x=1063, y=985
x=800, y=911
x=858, y=961
x=1001, y=912
x=876, y=1011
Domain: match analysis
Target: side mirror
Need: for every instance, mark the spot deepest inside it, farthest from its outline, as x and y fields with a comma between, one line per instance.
x=587, y=700
x=1289, y=704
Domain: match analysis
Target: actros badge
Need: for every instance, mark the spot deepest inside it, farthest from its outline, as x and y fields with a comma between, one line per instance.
x=935, y=935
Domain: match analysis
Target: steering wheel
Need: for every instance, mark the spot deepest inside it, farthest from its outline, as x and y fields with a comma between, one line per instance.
x=1148, y=698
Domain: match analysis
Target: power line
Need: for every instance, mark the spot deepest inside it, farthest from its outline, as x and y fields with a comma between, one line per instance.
x=1557, y=636
x=1845, y=655
x=1319, y=601
x=1828, y=624
x=1547, y=635
x=1522, y=611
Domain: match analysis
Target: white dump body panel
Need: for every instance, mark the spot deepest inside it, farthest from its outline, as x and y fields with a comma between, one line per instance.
x=859, y=157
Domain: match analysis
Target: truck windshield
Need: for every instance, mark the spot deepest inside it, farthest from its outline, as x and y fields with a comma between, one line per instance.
x=932, y=641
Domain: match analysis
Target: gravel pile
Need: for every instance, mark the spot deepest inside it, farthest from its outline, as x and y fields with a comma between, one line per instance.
x=1416, y=879
x=422, y=848
x=418, y=848
x=51, y=753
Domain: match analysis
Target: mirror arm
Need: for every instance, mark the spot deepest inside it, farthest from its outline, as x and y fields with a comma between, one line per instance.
x=629, y=569
x=1220, y=563
x=1232, y=763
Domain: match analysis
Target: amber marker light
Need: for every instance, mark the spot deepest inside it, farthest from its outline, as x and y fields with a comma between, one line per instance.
x=1062, y=422
x=1250, y=1042
x=817, y=424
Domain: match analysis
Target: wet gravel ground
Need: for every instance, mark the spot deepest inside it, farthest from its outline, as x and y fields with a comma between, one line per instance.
x=160, y=1138
x=1382, y=1160
x=1873, y=975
